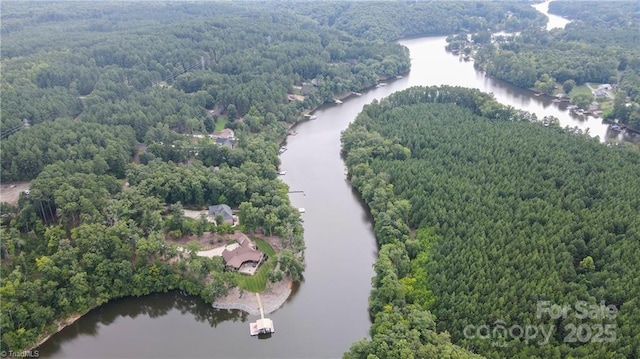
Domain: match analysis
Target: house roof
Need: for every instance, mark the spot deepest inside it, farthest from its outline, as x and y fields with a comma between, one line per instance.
x=244, y=241
x=599, y=93
x=246, y=252
x=224, y=133
x=221, y=209
x=228, y=142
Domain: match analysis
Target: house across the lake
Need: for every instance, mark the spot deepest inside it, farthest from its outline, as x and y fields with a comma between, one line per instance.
x=244, y=254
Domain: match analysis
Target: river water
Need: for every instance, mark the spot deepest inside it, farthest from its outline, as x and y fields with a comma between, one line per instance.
x=555, y=21
x=328, y=311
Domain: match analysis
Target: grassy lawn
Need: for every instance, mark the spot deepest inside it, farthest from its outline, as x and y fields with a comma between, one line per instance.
x=606, y=105
x=221, y=122
x=264, y=247
x=582, y=89
x=258, y=282
x=255, y=283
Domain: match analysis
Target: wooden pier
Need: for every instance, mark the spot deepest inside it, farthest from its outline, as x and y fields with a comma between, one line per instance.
x=263, y=325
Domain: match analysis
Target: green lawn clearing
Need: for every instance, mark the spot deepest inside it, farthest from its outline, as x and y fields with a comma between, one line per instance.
x=255, y=283
x=221, y=122
x=582, y=89
x=258, y=282
x=264, y=247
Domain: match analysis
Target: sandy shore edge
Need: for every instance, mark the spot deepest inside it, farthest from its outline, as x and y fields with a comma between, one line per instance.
x=272, y=299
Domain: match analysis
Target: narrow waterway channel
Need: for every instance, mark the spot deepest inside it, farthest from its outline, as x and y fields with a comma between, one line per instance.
x=555, y=21
x=328, y=311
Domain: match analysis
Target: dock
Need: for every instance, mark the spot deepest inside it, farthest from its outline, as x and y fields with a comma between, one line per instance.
x=262, y=325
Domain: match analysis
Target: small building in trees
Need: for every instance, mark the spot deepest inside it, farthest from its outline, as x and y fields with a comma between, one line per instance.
x=224, y=137
x=224, y=133
x=599, y=93
x=226, y=142
x=224, y=211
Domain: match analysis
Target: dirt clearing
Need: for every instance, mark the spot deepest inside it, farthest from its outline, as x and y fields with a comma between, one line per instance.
x=10, y=192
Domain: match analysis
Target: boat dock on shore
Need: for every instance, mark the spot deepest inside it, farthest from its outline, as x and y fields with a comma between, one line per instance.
x=262, y=326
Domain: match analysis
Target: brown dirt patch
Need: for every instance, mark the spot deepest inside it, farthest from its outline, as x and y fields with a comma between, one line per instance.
x=10, y=192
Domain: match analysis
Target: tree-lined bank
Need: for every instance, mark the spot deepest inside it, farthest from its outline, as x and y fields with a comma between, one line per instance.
x=509, y=213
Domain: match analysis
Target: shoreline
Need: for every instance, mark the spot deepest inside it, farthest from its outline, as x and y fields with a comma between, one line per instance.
x=348, y=94
x=63, y=323
x=272, y=299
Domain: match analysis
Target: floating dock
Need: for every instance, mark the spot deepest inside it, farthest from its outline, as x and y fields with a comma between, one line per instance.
x=263, y=325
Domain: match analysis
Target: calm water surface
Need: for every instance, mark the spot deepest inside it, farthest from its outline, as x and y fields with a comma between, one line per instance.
x=555, y=21
x=328, y=311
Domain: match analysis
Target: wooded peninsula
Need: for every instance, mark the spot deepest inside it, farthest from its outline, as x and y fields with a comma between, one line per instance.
x=482, y=213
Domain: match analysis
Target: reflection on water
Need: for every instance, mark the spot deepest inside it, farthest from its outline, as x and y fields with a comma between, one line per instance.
x=148, y=307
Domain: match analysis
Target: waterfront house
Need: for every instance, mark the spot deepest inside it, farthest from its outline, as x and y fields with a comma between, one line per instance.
x=245, y=253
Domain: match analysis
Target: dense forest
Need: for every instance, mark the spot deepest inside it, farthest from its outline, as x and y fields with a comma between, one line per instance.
x=106, y=108
x=483, y=215
x=599, y=45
